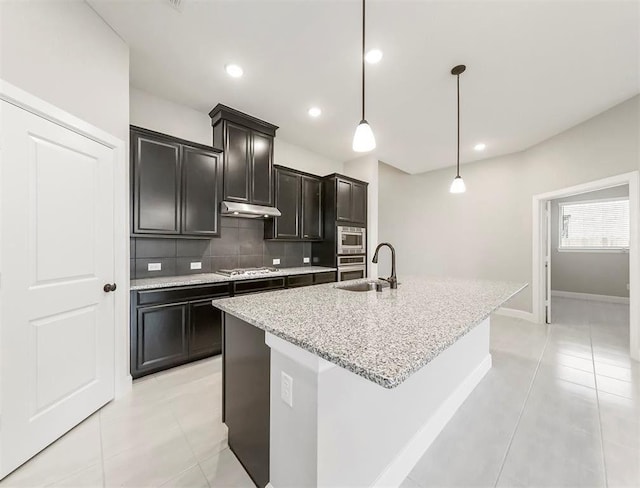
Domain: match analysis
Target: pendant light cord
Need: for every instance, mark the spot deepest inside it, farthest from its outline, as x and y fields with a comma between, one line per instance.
x=363, y=53
x=458, y=162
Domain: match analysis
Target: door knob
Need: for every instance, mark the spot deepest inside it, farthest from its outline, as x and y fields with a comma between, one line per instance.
x=109, y=287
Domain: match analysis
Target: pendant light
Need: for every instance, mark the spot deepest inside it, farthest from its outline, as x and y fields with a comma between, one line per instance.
x=457, y=185
x=363, y=139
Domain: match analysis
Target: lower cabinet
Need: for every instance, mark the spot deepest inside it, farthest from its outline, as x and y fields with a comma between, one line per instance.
x=205, y=322
x=162, y=338
x=173, y=326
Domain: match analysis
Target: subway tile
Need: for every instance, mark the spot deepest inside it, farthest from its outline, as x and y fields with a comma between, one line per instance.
x=294, y=249
x=229, y=222
x=223, y=262
x=255, y=224
x=183, y=265
x=274, y=248
x=132, y=248
x=225, y=245
x=250, y=261
x=192, y=247
x=168, y=267
x=155, y=248
x=250, y=242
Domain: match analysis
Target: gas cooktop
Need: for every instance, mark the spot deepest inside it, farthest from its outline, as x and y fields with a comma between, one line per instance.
x=247, y=271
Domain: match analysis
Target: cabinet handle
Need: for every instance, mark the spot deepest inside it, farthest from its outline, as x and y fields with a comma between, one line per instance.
x=108, y=287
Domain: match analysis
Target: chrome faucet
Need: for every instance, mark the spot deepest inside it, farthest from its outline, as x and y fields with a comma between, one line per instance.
x=393, y=279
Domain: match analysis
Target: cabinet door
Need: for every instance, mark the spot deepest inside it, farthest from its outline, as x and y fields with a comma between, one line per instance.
x=236, y=164
x=287, y=226
x=156, y=185
x=261, y=169
x=343, y=200
x=205, y=324
x=161, y=338
x=311, y=208
x=358, y=203
x=201, y=182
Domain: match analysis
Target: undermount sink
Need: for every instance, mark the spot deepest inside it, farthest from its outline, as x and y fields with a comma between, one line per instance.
x=366, y=286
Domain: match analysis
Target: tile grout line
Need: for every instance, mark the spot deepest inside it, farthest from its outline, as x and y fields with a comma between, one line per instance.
x=595, y=382
x=524, y=404
x=104, y=475
x=175, y=417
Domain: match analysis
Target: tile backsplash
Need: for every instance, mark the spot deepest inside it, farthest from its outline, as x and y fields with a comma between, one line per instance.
x=241, y=244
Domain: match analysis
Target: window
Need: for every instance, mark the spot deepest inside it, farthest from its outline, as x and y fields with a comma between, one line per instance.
x=600, y=225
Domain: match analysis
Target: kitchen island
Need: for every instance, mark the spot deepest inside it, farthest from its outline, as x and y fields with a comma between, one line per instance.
x=329, y=387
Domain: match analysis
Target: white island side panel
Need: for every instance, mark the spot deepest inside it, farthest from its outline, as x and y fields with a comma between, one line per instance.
x=344, y=430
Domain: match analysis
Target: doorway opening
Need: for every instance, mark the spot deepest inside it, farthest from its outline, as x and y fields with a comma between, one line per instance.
x=573, y=261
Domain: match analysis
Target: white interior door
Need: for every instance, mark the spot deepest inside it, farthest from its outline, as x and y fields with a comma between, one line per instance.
x=57, y=253
x=547, y=263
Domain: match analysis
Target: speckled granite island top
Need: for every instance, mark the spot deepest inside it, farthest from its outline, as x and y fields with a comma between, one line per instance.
x=204, y=278
x=384, y=337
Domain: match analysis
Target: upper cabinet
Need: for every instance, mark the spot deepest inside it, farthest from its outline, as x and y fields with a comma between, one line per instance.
x=176, y=186
x=347, y=199
x=247, y=143
x=298, y=196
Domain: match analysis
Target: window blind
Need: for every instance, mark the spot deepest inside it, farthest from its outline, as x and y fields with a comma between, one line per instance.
x=599, y=224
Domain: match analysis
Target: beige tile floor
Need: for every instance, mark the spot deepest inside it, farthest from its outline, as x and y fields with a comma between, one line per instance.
x=560, y=407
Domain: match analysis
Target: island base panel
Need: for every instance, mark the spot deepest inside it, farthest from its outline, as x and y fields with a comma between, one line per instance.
x=246, y=384
x=345, y=430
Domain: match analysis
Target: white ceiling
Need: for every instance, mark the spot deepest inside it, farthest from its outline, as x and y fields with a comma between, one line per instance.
x=534, y=68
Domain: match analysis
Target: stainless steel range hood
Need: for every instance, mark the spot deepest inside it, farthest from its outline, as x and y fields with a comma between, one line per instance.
x=247, y=211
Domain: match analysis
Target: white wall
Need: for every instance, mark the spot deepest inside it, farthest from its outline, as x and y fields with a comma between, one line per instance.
x=487, y=231
x=155, y=113
x=598, y=273
x=64, y=53
x=366, y=169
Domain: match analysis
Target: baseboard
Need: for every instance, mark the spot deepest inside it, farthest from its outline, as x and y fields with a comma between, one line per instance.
x=518, y=314
x=124, y=386
x=589, y=296
x=396, y=472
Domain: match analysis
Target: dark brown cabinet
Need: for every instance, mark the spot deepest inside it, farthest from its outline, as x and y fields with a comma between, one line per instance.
x=161, y=337
x=176, y=186
x=205, y=337
x=311, y=208
x=351, y=201
x=172, y=326
x=247, y=143
x=298, y=196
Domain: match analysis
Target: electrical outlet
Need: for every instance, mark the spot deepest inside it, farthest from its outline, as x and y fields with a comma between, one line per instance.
x=276, y=261
x=154, y=266
x=196, y=265
x=286, y=388
x=306, y=260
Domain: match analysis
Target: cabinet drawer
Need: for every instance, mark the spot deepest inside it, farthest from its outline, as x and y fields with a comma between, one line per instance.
x=165, y=295
x=300, y=280
x=253, y=286
x=328, y=277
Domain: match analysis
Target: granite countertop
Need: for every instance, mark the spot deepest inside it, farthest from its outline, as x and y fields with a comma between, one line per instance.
x=204, y=278
x=384, y=337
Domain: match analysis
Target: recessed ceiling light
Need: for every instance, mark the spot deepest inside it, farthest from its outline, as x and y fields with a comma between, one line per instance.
x=315, y=112
x=233, y=70
x=481, y=146
x=373, y=56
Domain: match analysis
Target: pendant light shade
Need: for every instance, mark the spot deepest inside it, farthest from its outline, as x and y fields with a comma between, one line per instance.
x=457, y=185
x=363, y=139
